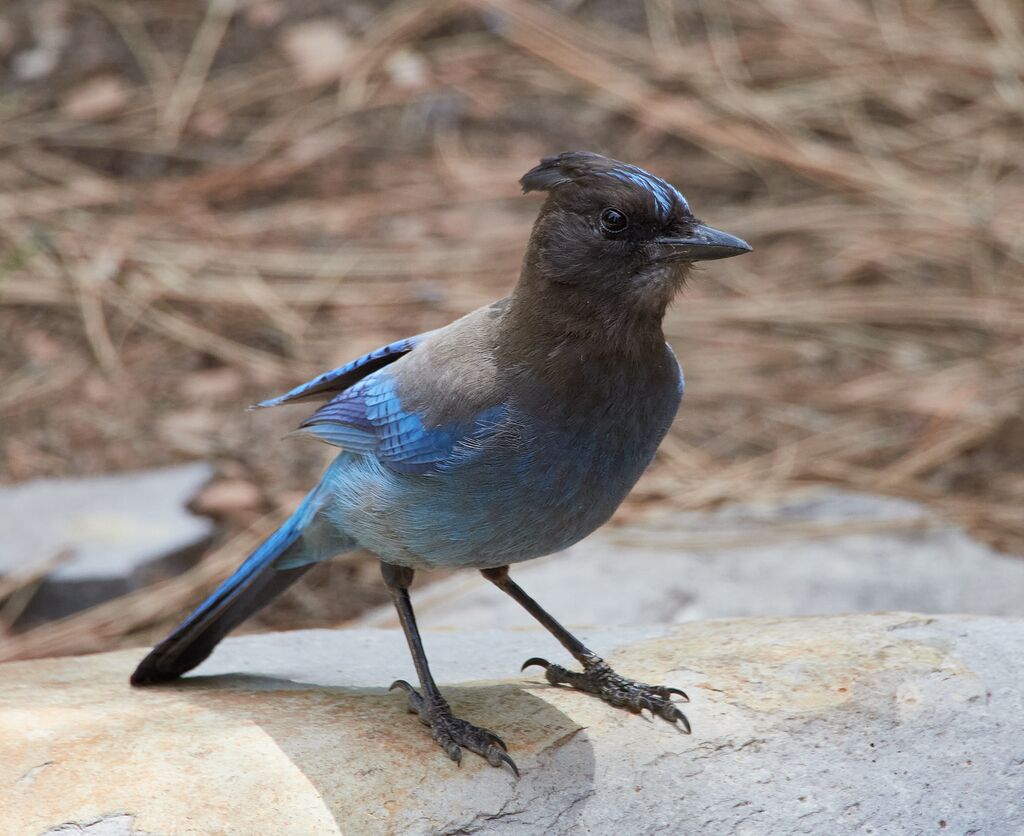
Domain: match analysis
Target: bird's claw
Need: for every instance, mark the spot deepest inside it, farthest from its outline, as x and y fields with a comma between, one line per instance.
x=598, y=678
x=452, y=733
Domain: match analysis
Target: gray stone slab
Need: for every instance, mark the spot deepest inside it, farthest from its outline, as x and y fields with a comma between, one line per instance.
x=841, y=725
x=121, y=531
x=825, y=552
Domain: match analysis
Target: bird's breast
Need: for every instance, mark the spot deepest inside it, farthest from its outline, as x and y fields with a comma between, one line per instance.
x=562, y=472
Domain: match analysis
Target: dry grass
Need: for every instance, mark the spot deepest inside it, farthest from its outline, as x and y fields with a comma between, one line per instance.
x=228, y=212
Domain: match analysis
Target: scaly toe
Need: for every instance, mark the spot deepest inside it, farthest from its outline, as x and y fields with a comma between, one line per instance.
x=598, y=678
x=667, y=693
x=497, y=758
x=415, y=704
x=453, y=734
x=482, y=741
x=492, y=737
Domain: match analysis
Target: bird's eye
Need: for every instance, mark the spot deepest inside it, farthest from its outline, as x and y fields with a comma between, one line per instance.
x=612, y=220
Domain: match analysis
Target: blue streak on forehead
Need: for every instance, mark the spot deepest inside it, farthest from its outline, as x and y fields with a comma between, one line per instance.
x=663, y=193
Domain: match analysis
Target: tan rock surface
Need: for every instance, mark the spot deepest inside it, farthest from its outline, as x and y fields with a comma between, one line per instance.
x=831, y=725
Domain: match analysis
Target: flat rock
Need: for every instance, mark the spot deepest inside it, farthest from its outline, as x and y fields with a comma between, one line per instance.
x=821, y=553
x=120, y=531
x=884, y=723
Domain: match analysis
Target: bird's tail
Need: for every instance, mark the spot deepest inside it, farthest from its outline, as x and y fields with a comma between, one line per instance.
x=302, y=540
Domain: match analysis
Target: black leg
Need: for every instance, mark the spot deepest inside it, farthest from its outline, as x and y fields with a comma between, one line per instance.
x=449, y=731
x=597, y=676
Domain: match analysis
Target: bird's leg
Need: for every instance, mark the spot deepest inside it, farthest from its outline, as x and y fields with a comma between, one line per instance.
x=597, y=677
x=449, y=731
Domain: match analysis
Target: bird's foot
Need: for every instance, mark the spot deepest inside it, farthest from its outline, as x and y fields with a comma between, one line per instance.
x=452, y=734
x=598, y=678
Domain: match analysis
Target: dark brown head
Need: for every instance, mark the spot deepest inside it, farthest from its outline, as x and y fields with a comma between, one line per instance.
x=616, y=232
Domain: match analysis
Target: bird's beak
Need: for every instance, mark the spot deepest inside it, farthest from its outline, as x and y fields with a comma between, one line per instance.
x=704, y=243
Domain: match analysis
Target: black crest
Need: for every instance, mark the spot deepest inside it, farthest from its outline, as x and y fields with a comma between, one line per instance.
x=581, y=166
x=562, y=168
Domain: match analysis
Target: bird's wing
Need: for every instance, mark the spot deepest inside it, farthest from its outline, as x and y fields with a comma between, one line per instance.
x=432, y=410
x=368, y=418
x=339, y=379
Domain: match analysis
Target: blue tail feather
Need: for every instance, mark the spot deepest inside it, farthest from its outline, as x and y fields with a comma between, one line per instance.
x=266, y=553
x=274, y=566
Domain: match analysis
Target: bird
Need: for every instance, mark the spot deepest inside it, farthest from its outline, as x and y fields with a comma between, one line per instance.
x=509, y=434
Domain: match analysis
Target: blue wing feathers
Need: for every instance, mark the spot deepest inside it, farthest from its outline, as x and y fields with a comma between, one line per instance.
x=351, y=407
x=339, y=435
x=365, y=415
x=369, y=417
x=343, y=377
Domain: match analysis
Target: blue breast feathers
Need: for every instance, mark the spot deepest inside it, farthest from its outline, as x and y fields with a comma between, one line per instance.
x=368, y=418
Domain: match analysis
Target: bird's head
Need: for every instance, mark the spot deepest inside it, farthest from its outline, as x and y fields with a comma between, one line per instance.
x=615, y=231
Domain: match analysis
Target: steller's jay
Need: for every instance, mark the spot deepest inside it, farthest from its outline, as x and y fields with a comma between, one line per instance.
x=510, y=434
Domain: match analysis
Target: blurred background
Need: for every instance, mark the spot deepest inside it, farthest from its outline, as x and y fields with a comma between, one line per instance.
x=203, y=204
